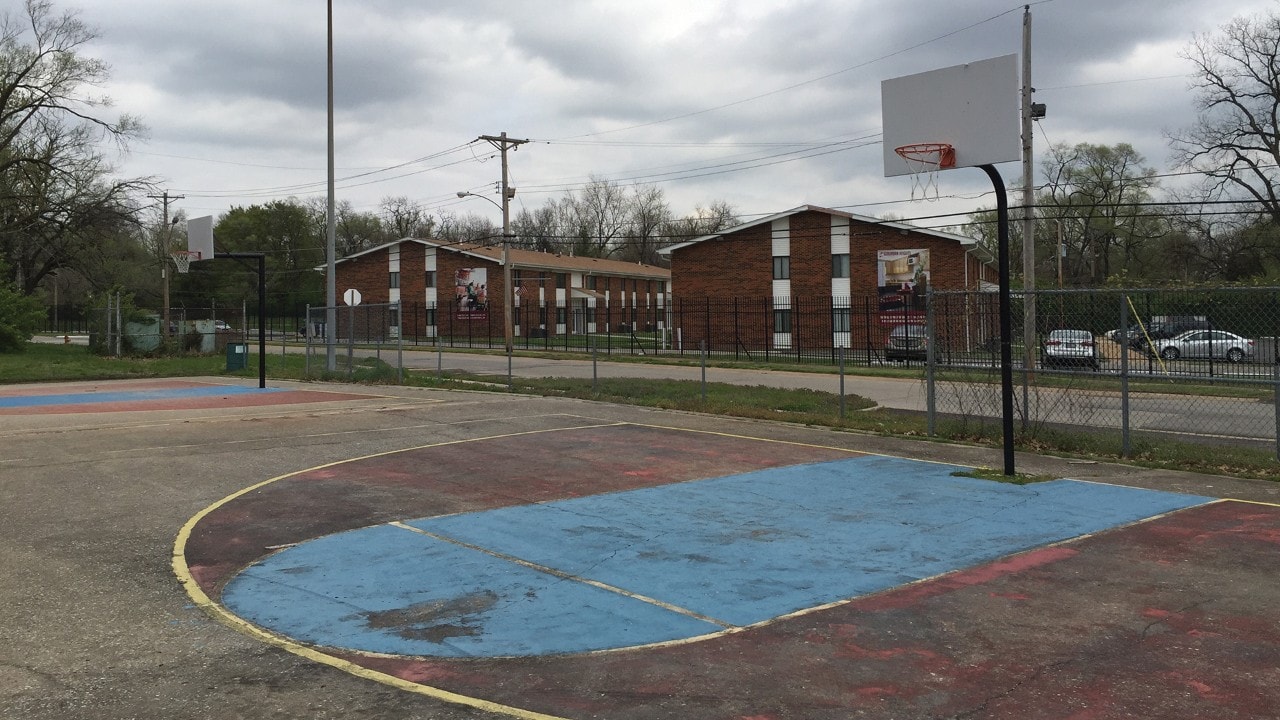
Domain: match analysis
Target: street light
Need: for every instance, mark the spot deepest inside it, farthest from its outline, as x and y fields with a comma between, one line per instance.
x=507, y=293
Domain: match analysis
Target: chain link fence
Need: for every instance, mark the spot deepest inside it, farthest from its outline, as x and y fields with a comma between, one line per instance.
x=1196, y=364
x=367, y=339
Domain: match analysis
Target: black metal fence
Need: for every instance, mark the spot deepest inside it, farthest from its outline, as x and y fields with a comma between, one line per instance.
x=795, y=330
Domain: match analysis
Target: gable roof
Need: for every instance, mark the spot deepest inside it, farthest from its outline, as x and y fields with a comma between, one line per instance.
x=961, y=239
x=532, y=259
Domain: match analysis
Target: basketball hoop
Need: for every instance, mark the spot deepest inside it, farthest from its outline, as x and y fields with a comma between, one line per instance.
x=924, y=160
x=182, y=259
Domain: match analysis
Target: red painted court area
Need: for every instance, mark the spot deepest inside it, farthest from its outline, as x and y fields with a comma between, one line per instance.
x=148, y=395
x=1169, y=618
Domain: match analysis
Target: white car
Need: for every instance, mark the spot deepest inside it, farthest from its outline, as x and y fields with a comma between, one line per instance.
x=1064, y=348
x=1218, y=344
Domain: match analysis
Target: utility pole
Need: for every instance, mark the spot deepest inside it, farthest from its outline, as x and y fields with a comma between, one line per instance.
x=1028, y=204
x=502, y=142
x=167, y=242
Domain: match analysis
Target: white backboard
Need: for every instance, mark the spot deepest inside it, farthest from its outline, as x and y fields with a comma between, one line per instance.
x=200, y=237
x=975, y=107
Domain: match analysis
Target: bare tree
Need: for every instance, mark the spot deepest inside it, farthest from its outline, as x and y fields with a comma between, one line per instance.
x=538, y=230
x=1234, y=142
x=56, y=192
x=717, y=216
x=405, y=218
x=649, y=215
x=469, y=228
x=596, y=217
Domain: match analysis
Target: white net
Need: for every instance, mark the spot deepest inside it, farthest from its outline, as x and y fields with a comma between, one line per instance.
x=182, y=260
x=924, y=161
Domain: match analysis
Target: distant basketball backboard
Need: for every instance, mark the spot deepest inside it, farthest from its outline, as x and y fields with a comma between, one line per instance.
x=974, y=108
x=200, y=237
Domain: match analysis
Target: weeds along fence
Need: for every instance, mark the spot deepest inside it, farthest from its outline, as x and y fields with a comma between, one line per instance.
x=1197, y=364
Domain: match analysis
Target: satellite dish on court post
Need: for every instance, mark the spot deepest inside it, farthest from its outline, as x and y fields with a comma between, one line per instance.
x=351, y=297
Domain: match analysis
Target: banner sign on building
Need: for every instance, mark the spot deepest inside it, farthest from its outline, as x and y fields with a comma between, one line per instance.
x=903, y=278
x=471, y=294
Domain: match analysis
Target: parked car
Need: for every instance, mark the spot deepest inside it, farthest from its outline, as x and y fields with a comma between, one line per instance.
x=1069, y=348
x=907, y=342
x=1218, y=344
x=221, y=325
x=1164, y=330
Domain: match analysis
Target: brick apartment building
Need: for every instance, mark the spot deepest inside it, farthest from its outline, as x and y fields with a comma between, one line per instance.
x=813, y=277
x=450, y=289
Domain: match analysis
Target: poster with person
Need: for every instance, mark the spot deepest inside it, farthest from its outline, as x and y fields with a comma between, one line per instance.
x=471, y=294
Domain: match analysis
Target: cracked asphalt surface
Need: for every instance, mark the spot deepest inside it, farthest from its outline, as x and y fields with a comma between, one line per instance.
x=1173, y=618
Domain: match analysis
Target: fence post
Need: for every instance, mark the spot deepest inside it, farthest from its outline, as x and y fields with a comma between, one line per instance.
x=840, y=352
x=930, y=361
x=306, y=327
x=595, y=374
x=399, y=343
x=1275, y=371
x=702, y=348
x=1124, y=375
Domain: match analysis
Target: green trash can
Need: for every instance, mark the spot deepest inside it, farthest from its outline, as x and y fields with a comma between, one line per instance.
x=237, y=356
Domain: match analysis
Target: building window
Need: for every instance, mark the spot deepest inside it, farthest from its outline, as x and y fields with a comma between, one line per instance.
x=561, y=315
x=662, y=287
x=431, y=317
x=590, y=280
x=562, y=280
x=840, y=266
x=607, y=283
x=515, y=279
x=782, y=267
x=394, y=281
x=431, y=278
x=840, y=320
x=782, y=321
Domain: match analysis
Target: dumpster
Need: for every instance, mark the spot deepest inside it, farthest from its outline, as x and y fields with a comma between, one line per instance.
x=237, y=356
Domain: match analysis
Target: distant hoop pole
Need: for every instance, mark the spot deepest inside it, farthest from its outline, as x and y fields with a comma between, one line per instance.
x=1006, y=315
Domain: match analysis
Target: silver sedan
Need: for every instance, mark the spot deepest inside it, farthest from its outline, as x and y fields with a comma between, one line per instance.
x=1217, y=344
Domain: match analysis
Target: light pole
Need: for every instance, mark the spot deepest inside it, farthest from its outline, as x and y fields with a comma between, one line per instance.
x=507, y=293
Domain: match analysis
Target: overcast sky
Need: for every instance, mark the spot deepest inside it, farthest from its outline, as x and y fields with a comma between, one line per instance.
x=764, y=104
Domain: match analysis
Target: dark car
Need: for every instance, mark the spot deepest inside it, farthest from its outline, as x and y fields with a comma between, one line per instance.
x=907, y=342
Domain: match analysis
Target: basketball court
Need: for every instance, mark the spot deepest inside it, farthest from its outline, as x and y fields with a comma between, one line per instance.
x=473, y=554
x=544, y=558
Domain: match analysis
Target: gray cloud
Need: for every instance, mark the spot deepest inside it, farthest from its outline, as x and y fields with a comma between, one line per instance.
x=241, y=81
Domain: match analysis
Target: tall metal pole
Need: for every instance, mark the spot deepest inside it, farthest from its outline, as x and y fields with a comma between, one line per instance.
x=331, y=238
x=1028, y=202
